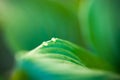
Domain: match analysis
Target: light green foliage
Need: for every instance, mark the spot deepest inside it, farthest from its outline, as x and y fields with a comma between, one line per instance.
x=71, y=5
x=28, y=23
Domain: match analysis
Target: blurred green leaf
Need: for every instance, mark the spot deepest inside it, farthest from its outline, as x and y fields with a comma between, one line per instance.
x=101, y=29
x=60, y=60
x=71, y=5
x=6, y=57
x=28, y=23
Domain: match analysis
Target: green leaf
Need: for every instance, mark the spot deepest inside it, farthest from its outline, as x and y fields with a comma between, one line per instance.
x=60, y=60
x=6, y=56
x=28, y=23
x=101, y=29
x=71, y=5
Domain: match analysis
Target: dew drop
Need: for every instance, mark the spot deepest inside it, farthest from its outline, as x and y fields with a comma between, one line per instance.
x=54, y=39
x=45, y=44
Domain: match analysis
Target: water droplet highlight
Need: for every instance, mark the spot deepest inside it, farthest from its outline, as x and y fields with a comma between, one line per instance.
x=45, y=44
x=54, y=39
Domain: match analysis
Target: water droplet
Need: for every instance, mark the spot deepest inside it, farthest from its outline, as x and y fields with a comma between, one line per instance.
x=54, y=39
x=45, y=44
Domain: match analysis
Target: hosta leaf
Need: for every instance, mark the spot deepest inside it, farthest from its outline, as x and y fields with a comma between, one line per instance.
x=48, y=62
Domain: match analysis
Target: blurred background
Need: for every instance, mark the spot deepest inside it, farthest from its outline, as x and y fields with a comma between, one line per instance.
x=91, y=24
